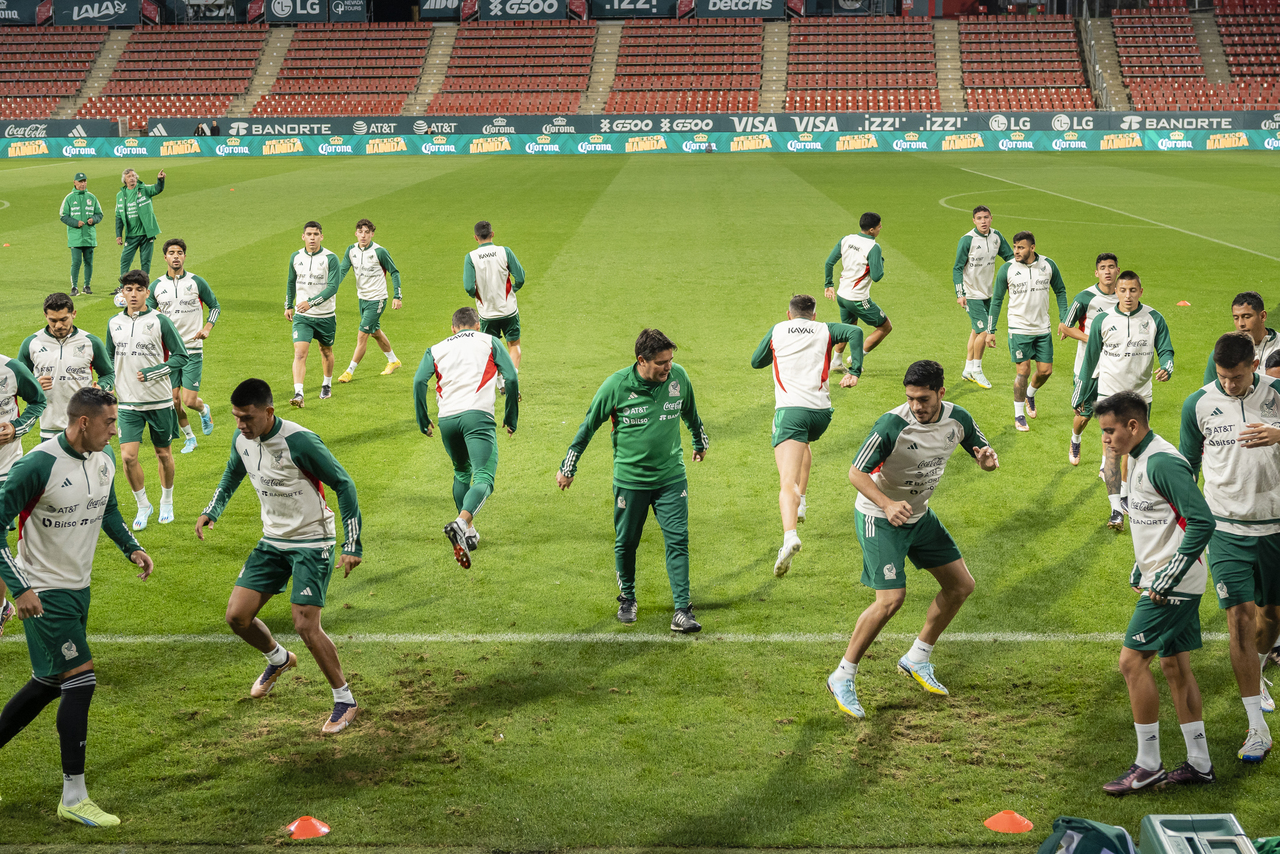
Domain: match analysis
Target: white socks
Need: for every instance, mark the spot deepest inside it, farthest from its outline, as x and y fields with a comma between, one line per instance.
x=1019, y=410
x=351, y=368
x=1197, y=746
x=141, y=497
x=277, y=656
x=789, y=537
x=919, y=652
x=1253, y=708
x=1148, y=745
x=327, y=381
x=846, y=670
x=1031, y=391
x=391, y=356
x=1076, y=437
x=803, y=507
x=1115, y=503
x=166, y=496
x=297, y=388
x=343, y=695
x=73, y=790
x=188, y=432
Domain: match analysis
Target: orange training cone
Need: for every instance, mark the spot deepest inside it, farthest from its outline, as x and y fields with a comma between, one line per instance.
x=1183, y=302
x=1008, y=821
x=309, y=828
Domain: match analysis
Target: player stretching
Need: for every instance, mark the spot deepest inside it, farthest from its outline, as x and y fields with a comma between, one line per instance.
x=1027, y=279
x=799, y=349
x=1171, y=526
x=1231, y=426
x=861, y=264
x=973, y=274
x=895, y=472
x=1249, y=315
x=16, y=381
x=64, y=489
x=646, y=402
x=140, y=339
x=1087, y=305
x=373, y=265
x=492, y=275
x=1128, y=347
x=63, y=359
x=179, y=296
x=463, y=365
x=314, y=276
x=286, y=464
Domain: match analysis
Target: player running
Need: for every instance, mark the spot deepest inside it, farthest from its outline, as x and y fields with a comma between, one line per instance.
x=286, y=464
x=492, y=275
x=314, y=276
x=973, y=275
x=16, y=381
x=1087, y=305
x=373, y=265
x=861, y=264
x=80, y=213
x=1027, y=279
x=180, y=296
x=799, y=349
x=896, y=471
x=1171, y=527
x=1249, y=315
x=136, y=226
x=63, y=359
x=463, y=365
x=65, y=491
x=646, y=402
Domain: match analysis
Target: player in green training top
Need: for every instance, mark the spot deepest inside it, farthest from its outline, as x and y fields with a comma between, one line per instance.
x=973, y=274
x=373, y=266
x=136, y=226
x=646, y=403
x=80, y=212
x=861, y=264
x=314, y=276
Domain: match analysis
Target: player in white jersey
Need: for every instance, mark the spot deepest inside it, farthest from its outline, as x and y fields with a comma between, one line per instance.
x=63, y=359
x=973, y=275
x=1028, y=279
x=799, y=348
x=1171, y=526
x=896, y=471
x=1269, y=628
x=313, y=282
x=16, y=382
x=286, y=464
x=64, y=490
x=1087, y=305
x=492, y=275
x=373, y=266
x=465, y=367
x=180, y=296
x=861, y=263
x=1249, y=314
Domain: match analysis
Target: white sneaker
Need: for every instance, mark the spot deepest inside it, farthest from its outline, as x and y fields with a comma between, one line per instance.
x=980, y=378
x=1268, y=704
x=166, y=514
x=144, y=513
x=837, y=364
x=1256, y=746
x=785, y=554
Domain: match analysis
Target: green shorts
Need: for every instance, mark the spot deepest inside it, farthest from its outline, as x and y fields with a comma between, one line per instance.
x=371, y=315
x=1165, y=629
x=1031, y=348
x=161, y=423
x=1085, y=410
x=1245, y=569
x=268, y=570
x=851, y=311
x=979, y=313
x=502, y=327
x=884, y=548
x=189, y=376
x=800, y=424
x=322, y=329
x=57, y=642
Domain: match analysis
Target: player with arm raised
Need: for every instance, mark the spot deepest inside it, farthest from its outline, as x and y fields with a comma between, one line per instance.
x=973, y=274
x=63, y=359
x=1087, y=305
x=861, y=264
x=373, y=265
x=1250, y=316
x=799, y=349
x=493, y=276
x=314, y=276
x=136, y=226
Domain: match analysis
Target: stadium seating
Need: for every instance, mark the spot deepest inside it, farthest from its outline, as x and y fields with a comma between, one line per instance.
x=706, y=65
x=1157, y=43
x=1199, y=95
x=1250, y=31
x=861, y=63
x=1015, y=62
x=517, y=67
x=41, y=65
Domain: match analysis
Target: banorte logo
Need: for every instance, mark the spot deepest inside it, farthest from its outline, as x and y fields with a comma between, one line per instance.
x=78, y=147
x=335, y=145
x=28, y=148
x=910, y=142
x=130, y=149
x=595, y=142
x=238, y=128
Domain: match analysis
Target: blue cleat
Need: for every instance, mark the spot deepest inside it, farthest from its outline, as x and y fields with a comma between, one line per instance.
x=922, y=673
x=206, y=420
x=189, y=445
x=846, y=696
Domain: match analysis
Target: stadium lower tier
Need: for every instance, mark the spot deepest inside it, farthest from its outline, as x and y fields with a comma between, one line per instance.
x=325, y=104
x=1198, y=95
x=27, y=108
x=142, y=107
x=683, y=102
x=488, y=103
x=995, y=100
x=886, y=100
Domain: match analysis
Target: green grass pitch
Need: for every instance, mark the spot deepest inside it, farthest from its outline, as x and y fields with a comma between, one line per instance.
x=517, y=725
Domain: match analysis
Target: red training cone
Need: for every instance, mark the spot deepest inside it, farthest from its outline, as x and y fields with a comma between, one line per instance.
x=1008, y=821
x=309, y=828
x=1183, y=302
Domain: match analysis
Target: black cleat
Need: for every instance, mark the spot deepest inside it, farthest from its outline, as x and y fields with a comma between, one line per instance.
x=627, y=609
x=682, y=621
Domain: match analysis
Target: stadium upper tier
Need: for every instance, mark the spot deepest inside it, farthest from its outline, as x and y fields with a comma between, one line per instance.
x=873, y=63
x=709, y=65
x=1020, y=63
x=41, y=65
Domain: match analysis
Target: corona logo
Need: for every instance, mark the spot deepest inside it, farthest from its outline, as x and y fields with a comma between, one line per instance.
x=1017, y=134
x=806, y=137
x=131, y=142
x=1071, y=135
x=911, y=137
x=544, y=139
x=1177, y=134
x=440, y=140
x=597, y=138
x=335, y=140
x=700, y=137
x=80, y=143
x=233, y=140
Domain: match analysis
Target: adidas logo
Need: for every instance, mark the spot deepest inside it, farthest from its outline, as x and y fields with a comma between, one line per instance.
x=306, y=592
x=912, y=447
x=1216, y=411
x=632, y=396
x=1152, y=738
x=158, y=130
x=78, y=130
x=66, y=482
x=1139, y=638
x=1198, y=737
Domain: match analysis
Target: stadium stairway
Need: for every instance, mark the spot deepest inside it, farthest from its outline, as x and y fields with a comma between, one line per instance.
x=604, y=63
x=264, y=75
x=1216, y=69
x=98, y=74
x=434, y=67
x=773, y=76
x=946, y=41
x=1104, y=46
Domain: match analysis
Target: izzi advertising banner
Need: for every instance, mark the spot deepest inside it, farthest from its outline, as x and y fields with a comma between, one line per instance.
x=633, y=8
x=115, y=13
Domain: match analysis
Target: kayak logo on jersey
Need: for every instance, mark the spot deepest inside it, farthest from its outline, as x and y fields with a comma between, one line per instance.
x=673, y=390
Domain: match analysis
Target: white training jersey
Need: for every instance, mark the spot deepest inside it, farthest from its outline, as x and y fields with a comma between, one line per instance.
x=1087, y=305
x=495, y=289
x=466, y=372
x=143, y=343
x=371, y=276
x=1132, y=346
x=802, y=364
x=70, y=363
x=314, y=274
x=855, y=267
x=979, y=272
x=1158, y=477
x=10, y=378
x=1030, y=287
x=182, y=300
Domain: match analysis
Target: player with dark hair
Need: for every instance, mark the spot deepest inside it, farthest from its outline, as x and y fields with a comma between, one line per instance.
x=373, y=266
x=492, y=275
x=1249, y=315
x=1085, y=308
x=973, y=274
x=861, y=264
x=314, y=276
x=63, y=359
x=16, y=382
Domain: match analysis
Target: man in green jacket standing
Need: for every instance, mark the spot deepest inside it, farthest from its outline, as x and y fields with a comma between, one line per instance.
x=81, y=212
x=646, y=402
x=136, y=226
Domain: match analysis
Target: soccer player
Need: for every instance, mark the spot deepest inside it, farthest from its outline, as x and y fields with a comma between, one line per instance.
x=861, y=264
x=1273, y=370
x=136, y=226
x=896, y=471
x=1027, y=279
x=799, y=349
x=63, y=359
x=139, y=340
x=80, y=212
x=492, y=275
x=1249, y=315
x=645, y=402
x=181, y=296
x=286, y=464
x=16, y=381
x=373, y=265
x=1087, y=305
x=1231, y=427
x=1128, y=347
x=314, y=276
x=973, y=275
x=1171, y=527
x=64, y=489
x=464, y=365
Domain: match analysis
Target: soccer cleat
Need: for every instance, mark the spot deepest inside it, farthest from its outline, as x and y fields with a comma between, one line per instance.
x=1124, y=504
x=87, y=812
x=144, y=513
x=1116, y=522
x=785, y=554
x=1256, y=746
x=837, y=363
x=846, y=696
x=1073, y=456
x=75, y=292
x=472, y=539
x=800, y=512
x=297, y=400
x=326, y=392
x=1021, y=423
x=627, y=609
x=922, y=672
x=341, y=718
x=206, y=420
x=6, y=614
x=166, y=514
x=1135, y=779
x=88, y=291
x=1187, y=774
x=1031, y=406
x=189, y=445
x=967, y=375
x=981, y=379
x=262, y=687
x=458, y=536
x=682, y=621
x=346, y=377
x=1268, y=704
x=390, y=368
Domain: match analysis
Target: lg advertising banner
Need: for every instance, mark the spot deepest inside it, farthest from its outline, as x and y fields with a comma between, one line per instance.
x=347, y=10
x=115, y=13
x=740, y=8
x=296, y=10
x=21, y=12
x=523, y=10
x=633, y=8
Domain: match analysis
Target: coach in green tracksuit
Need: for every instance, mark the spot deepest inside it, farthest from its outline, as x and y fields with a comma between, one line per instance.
x=136, y=226
x=81, y=212
x=645, y=402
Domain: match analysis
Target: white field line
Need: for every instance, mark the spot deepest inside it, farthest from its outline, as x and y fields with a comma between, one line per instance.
x=943, y=202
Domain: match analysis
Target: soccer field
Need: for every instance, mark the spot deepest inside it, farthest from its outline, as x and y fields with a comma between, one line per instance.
x=504, y=706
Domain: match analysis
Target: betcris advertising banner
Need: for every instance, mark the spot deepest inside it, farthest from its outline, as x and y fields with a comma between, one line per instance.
x=633, y=8
x=21, y=12
x=115, y=13
x=347, y=10
x=740, y=8
x=296, y=10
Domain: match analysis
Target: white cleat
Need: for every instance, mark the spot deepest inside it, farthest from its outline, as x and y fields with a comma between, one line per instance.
x=785, y=555
x=981, y=379
x=166, y=514
x=1268, y=703
x=144, y=513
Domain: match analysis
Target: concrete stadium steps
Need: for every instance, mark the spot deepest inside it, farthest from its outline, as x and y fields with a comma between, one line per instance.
x=1104, y=45
x=98, y=74
x=604, y=63
x=946, y=46
x=277, y=45
x=433, y=69
x=1209, y=38
x=773, y=76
